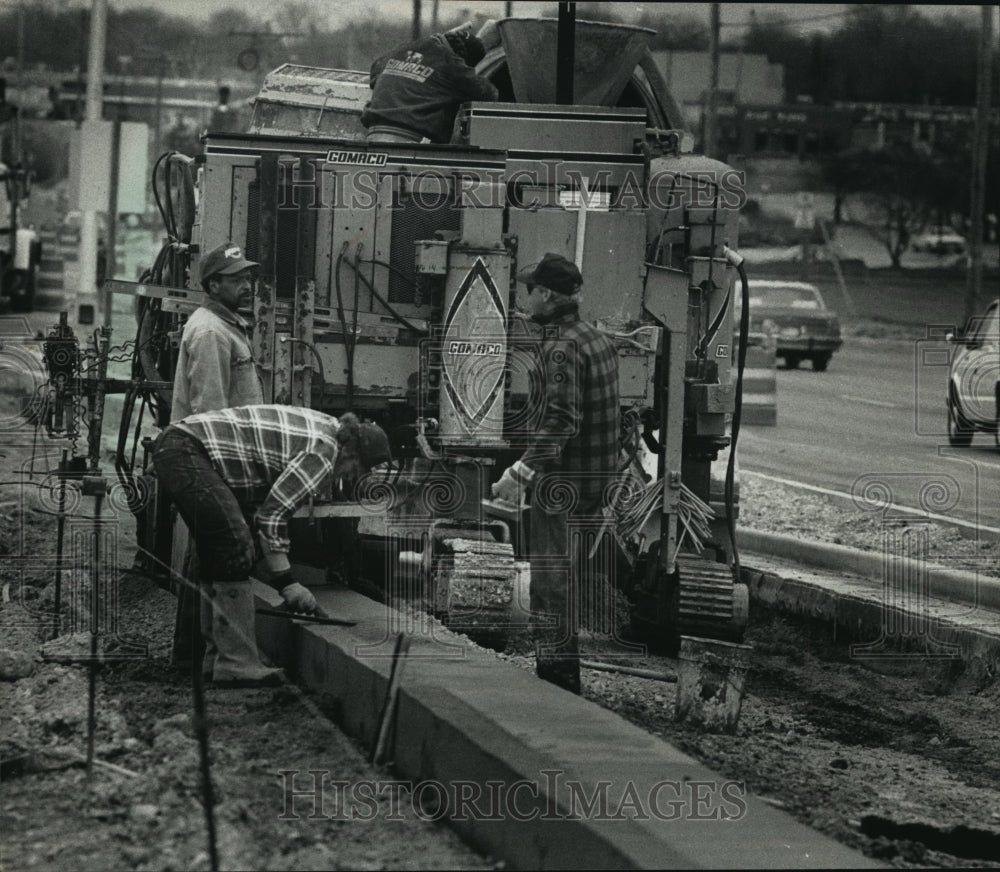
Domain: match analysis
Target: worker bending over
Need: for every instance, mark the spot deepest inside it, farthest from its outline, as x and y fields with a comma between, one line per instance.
x=234, y=472
x=418, y=87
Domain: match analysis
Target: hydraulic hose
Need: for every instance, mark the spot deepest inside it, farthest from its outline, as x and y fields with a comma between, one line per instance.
x=736, y=259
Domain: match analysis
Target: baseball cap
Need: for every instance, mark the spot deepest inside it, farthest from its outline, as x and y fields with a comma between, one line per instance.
x=555, y=272
x=224, y=260
x=367, y=439
x=374, y=445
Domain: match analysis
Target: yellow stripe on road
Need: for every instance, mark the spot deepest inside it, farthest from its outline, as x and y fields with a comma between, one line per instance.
x=869, y=402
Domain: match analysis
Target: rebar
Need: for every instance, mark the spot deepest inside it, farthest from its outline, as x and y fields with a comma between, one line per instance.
x=200, y=726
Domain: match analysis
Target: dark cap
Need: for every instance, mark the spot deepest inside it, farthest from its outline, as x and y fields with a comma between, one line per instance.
x=555, y=272
x=468, y=47
x=374, y=445
x=365, y=441
x=224, y=260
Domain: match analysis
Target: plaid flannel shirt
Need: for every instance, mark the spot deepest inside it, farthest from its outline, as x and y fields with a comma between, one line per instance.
x=272, y=457
x=576, y=435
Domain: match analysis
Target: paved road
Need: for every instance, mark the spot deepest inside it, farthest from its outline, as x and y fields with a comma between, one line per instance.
x=875, y=424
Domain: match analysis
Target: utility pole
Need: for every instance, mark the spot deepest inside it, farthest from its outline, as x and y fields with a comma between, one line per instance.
x=417, y=9
x=980, y=149
x=20, y=83
x=95, y=109
x=708, y=146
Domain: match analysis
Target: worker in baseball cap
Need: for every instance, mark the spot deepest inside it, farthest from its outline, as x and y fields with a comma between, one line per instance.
x=554, y=272
x=215, y=370
x=572, y=450
x=240, y=474
x=224, y=260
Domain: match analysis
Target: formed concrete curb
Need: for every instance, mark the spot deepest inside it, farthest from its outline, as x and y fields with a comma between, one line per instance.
x=473, y=719
x=884, y=630
x=951, y=584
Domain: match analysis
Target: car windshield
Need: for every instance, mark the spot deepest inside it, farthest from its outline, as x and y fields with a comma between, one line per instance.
x=785, y=298
x=987, y=327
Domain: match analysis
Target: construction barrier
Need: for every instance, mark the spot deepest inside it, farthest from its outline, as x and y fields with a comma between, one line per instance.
x=760, y=388
x=50, y=293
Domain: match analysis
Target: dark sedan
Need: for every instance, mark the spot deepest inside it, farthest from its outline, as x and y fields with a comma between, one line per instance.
x=796, y=316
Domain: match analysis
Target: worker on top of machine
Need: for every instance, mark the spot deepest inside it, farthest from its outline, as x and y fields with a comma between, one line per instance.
x=215, y=370
x=264, y=462
x=571, y=461
x=418, y=87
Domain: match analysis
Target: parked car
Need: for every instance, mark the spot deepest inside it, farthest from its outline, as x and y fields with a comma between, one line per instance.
x=939, y=240
x=796, y=316
x=973, y=397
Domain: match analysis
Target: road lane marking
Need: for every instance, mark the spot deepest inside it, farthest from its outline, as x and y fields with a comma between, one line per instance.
x=868, y=402
x=944, y=519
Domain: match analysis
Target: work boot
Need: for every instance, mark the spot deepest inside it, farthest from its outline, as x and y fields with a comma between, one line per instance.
x=231, y=641
x=559, y=663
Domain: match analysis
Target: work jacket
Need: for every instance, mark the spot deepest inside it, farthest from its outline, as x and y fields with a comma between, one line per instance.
x=420, y=86
x=215, y=365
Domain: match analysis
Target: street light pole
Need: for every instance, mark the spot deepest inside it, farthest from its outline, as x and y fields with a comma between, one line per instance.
x=95, y=107
x=708, y=146
x=980, y=150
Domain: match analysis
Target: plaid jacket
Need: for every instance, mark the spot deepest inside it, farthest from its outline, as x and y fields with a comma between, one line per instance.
x=575, y=441
x=273, y=457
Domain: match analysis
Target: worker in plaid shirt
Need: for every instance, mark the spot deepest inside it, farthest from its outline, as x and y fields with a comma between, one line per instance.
x=265, y=462
x=571, y=461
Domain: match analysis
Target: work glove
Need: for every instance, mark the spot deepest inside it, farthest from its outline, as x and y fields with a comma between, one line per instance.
x=297, y=596
x=509, y=489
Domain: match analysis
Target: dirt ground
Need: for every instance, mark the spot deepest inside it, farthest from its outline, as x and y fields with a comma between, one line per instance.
x=142, y=808
x=897, y=759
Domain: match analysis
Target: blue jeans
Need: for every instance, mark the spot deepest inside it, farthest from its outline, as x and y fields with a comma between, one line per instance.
x=209, y=508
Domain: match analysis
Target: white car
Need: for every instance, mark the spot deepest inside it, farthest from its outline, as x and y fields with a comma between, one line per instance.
x=939, y=240
x=973, y=398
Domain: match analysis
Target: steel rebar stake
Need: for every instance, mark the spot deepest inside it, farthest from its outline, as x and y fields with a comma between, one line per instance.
x=60, y=534
x=201, y=733
x=92, y=665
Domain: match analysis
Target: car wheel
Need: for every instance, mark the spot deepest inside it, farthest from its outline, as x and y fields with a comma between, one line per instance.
x=820, y=362
x=792, y=361
x=959, y=430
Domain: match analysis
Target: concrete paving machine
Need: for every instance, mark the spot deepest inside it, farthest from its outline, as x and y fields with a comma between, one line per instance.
x=386, y=288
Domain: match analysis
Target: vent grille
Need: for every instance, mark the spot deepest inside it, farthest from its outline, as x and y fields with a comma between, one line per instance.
x=252, y=243
x=413, y=221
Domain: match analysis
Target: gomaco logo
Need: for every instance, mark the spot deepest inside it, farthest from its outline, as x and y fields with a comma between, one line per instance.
x=363, y=158
x=490, y=348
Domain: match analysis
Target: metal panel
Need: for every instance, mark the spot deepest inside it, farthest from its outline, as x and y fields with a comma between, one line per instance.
x=555, y=129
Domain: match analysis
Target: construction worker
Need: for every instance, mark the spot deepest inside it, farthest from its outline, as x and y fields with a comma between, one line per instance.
x=256, y=462
x=571, y=460
x=215, y=365
x=215, y=370
x=418, y=87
